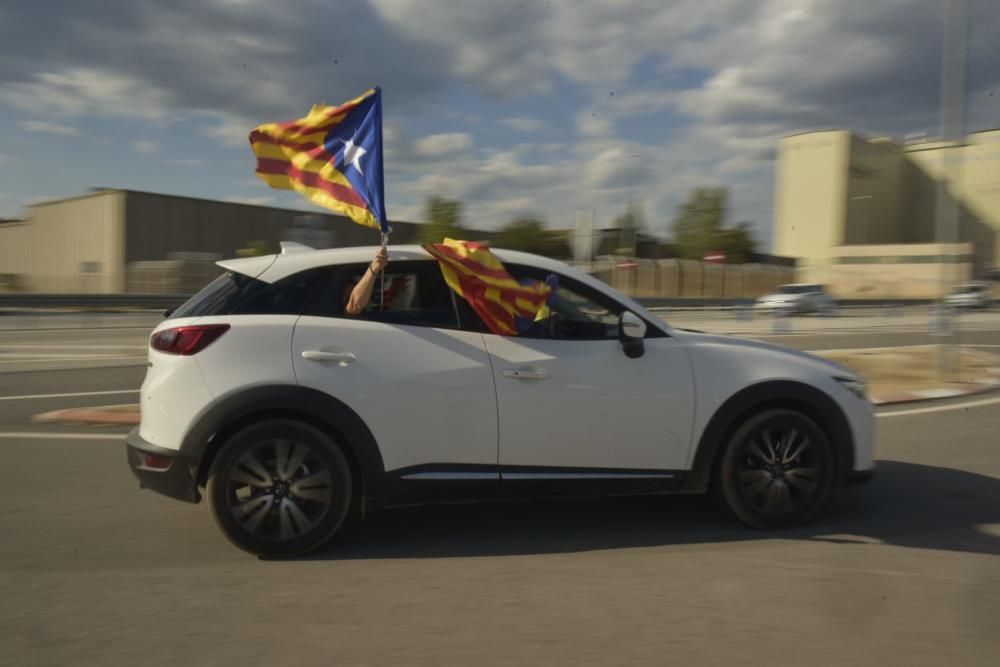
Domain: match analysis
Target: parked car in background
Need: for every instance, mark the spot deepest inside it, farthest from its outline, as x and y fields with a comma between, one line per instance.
x=799, y=298
x=971, y=295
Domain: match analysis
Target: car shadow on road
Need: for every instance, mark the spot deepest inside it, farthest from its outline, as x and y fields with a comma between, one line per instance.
x=906, y=504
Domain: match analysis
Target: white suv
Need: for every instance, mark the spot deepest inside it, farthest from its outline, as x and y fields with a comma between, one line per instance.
x=799, y=298
x=292, y=415
x=971, y=295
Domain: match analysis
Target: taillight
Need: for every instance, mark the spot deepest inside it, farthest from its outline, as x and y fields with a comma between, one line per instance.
x=187, y=340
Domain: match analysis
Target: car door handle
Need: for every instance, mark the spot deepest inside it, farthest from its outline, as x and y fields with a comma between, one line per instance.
x=342, y=358
x=526, y=373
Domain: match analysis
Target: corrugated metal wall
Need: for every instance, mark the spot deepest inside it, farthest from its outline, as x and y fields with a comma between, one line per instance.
x=13, y=260
x=159, y=225
x=69, y=246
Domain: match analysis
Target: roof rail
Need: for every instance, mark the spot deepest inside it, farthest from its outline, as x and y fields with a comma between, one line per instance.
x=292, y=246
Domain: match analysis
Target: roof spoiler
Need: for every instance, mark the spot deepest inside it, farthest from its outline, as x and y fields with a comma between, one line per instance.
x=291, y=246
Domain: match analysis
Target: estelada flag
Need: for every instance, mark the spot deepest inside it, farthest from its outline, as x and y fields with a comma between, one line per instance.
x=333, y=157
x=475, y=274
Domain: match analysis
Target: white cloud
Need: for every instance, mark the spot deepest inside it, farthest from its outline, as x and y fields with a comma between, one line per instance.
x=186, y=162
x=616, y=167
x=523, y=124
x=230, y=130
x=593, y=124
x=77, y=91
x=48, y=128
x=145, y=147
x=645, y=101
x=441, y=145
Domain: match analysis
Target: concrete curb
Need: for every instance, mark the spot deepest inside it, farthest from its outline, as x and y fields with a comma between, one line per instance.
x=988, y=382
x=982, y=386
x=108, y=415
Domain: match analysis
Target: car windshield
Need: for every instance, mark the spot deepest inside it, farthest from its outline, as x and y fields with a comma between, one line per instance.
x=797, y=289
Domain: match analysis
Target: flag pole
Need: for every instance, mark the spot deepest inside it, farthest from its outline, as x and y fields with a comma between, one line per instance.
x=381, y=290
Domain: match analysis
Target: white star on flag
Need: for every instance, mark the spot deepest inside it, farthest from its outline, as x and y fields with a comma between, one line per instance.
x=353, y=155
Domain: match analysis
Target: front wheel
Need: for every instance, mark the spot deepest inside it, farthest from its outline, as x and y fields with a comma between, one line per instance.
x=279, y=488
x=777, y=470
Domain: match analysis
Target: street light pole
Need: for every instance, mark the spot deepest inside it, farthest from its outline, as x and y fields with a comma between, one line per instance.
x=953, y=73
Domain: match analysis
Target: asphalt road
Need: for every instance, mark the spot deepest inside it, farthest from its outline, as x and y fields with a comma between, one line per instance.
x=95, y=571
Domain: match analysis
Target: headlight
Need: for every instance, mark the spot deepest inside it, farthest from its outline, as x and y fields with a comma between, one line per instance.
x=855, y=386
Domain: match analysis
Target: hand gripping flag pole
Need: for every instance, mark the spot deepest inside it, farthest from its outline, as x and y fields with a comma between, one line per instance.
x=381, y=289
x=332, y=157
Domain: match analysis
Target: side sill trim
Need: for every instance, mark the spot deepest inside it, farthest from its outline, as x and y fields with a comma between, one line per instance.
x=584, y=475
x=443, y=475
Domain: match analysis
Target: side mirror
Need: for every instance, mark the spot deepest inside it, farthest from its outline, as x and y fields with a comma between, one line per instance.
x=631, y=332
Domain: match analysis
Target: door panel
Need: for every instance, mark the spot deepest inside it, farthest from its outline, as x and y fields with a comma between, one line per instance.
x=584, y=404
x=426, y=394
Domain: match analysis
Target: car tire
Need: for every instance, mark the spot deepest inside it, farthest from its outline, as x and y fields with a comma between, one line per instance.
x=776, y=471
x=280, y=488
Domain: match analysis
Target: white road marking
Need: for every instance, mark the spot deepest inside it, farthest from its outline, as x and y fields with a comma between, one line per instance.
x=74, y=346
x=63, y=436
x=944, y=392
x=74, y=394
x=42, y=356
x=941, y=408
x=82, y=358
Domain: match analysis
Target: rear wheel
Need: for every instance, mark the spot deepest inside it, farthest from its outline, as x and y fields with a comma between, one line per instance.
x=777, y=470
x=280, y=488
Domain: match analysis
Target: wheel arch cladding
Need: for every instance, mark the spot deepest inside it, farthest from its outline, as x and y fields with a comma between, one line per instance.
x=238, y=410
x=804, y=398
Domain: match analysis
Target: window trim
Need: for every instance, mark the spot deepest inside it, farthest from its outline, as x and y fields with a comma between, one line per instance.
x=328, y=297
x=588, y=292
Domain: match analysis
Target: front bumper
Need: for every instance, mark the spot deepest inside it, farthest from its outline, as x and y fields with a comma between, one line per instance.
x=178, y=480
x=786, y=306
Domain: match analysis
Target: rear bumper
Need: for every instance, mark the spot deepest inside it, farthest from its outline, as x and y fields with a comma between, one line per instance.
x=178, y=480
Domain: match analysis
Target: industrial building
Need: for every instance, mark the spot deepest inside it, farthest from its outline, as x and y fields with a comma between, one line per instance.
x=860, y=213
x=114, y=241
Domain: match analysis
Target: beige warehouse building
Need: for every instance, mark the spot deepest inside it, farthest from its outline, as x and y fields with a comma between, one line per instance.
x=112, y=241
x=860, y=213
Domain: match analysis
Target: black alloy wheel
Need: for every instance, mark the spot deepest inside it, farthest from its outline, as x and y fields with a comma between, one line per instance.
x=280, y=488
x=778, y=470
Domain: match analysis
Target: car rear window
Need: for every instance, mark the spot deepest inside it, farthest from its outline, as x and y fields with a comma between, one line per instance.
x=220, y=296
x=237, y=294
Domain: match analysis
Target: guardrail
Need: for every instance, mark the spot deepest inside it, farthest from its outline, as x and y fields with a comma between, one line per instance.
x=92, y=301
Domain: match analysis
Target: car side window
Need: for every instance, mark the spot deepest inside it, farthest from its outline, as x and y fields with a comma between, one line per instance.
x=414, y=294
x=574, y=311
x=288, y=296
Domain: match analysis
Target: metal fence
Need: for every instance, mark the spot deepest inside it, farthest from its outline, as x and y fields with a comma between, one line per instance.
x=688, y=279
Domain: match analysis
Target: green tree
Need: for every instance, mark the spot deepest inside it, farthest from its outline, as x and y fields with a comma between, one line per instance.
x=737, y=242
x=255, y=249
x=699, y=228
x=527, y=234
x=443, y=220
x=630, y=227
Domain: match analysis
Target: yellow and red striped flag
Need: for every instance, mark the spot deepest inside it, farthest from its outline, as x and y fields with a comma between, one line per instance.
x=475, y=274
x=333, y=157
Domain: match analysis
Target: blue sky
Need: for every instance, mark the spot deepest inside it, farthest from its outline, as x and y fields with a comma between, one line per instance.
x=516, y=108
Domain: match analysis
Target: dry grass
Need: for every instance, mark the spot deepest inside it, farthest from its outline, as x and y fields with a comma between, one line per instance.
x=894, y=370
